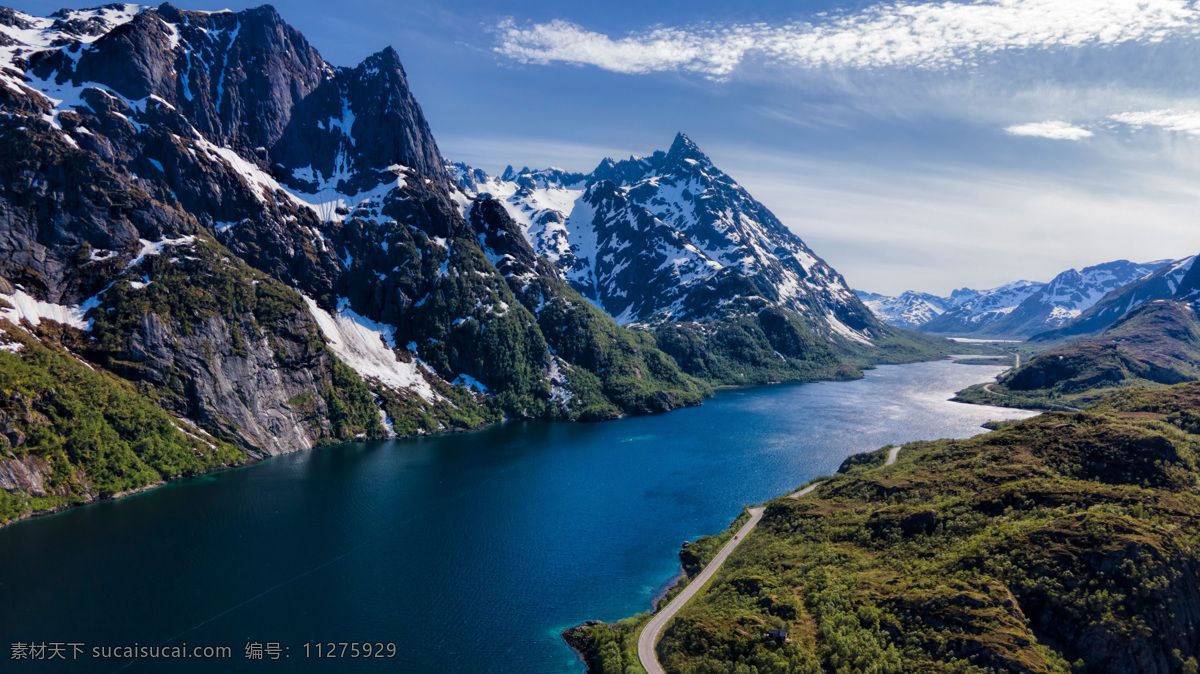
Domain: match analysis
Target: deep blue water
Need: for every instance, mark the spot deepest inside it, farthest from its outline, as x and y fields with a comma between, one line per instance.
x=470, y=552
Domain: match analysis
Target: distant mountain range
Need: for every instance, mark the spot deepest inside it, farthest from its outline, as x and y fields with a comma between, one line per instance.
x=1015, y=310
x=1156, y=343
x=1144, y=333
x=1177, y=280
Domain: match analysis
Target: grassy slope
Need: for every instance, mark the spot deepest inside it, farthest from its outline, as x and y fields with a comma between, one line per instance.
x=1064, y=543
x=1157, y=344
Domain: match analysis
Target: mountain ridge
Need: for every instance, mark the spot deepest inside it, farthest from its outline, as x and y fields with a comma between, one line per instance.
x=706, y=227
x=1161, y=284
x=1016, y=310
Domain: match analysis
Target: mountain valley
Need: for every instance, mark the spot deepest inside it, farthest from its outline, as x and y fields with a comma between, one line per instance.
x=273, y=250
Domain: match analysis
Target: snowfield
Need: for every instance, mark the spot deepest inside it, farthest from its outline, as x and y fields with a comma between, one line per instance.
x=367, y=347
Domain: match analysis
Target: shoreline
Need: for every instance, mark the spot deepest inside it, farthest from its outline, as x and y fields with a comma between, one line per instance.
x=576, y=636
x=46, y=512
x=252, y=459
x=583, y=646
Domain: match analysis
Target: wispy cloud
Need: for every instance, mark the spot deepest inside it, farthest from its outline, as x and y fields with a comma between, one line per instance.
x=922, y=35
x=1186, y=121
x=935, y=228
x=1176, y=120
x=1054, y=130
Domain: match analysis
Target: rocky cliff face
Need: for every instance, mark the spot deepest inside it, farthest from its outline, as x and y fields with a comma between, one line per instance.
x=114, y=196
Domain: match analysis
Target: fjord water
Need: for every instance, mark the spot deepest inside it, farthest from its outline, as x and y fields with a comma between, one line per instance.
x=470, y=552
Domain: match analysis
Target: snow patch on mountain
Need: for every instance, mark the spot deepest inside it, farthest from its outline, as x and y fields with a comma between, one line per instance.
x=157, y=247
x=22, y=306
x=367, y=346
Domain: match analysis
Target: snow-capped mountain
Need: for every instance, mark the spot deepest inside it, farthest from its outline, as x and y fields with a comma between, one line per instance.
x=1070, y=294
x=909, y=310
x=670, y=237
x=1178, y=279
x=976, y=314
x=1014, y=310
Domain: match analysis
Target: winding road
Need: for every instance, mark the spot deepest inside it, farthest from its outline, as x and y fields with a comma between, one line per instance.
x=654, y=629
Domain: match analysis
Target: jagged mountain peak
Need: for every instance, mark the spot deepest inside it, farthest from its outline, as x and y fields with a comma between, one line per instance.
x=245, y=80
x=383, y=68
x=683, y=152
x=681, y=159
x=624, y=171
x=682, y=143
x=662, y=237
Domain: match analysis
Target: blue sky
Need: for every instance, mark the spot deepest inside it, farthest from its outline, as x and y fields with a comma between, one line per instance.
x=913, y=145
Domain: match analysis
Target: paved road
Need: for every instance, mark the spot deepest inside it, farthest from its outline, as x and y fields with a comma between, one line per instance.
x=653, y=629
x=892, y=454
x=806, y=490
x=891, y=458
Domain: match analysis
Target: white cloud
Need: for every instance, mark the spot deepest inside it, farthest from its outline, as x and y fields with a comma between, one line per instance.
x=1186, y=121
x=924, y=35
x=1053, y=130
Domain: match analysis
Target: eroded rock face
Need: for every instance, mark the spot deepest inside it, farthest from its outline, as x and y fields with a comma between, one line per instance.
x=28, y=474
x=241, y=391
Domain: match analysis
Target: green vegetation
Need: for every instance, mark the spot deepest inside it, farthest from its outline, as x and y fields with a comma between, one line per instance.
x=459, y=409
x=87, y=433
x=472, y=324
x=770, y=346
x=1063, y=543
x=609, y=648
x=1155, y=345
x=611, y=369
x=774, y=345
x=350, y=405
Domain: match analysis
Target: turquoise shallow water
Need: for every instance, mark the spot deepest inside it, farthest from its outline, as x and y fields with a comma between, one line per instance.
x=469, y=552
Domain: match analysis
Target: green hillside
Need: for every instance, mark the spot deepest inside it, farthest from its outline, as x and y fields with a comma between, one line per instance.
x=1063, y=543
